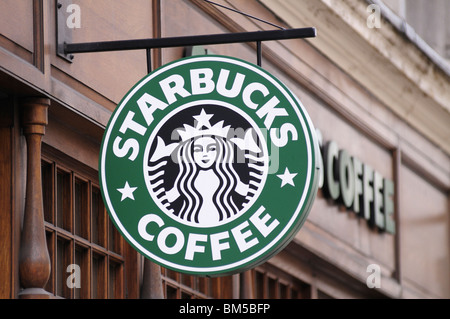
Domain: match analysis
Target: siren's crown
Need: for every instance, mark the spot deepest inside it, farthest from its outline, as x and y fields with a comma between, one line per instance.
x=203, y=127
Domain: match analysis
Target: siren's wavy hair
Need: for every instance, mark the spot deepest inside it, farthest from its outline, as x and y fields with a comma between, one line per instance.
x=188, y=172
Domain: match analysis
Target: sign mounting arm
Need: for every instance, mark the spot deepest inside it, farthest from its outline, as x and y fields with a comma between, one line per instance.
x=210, y=39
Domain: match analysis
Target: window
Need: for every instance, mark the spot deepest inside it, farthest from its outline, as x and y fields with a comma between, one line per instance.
x=274, y=285
x=80, y=234
x=182, y=286
x=267, y=284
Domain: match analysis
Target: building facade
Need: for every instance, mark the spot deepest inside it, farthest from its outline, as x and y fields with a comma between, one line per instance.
x=380, y=224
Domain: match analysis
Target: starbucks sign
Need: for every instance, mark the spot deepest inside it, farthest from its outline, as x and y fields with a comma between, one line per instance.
x=208, y=165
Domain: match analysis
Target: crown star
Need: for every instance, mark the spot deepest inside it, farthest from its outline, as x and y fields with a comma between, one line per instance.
x=203, y=120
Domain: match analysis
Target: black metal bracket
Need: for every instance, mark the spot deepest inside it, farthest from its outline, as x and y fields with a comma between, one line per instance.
x=63, y=33
x=148, y=44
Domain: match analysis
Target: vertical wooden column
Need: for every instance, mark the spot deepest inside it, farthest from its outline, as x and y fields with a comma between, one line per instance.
x=246, y=285
x=34, y=260
x=6, y=198
x=152, y=282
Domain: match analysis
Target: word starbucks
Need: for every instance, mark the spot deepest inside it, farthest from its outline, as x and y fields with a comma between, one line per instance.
x=359, y=187
x=201, y=82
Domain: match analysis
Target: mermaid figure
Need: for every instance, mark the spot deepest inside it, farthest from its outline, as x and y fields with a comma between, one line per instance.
x=207, y=184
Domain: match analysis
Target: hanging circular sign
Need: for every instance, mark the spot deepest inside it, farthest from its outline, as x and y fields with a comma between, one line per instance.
x=208, y=165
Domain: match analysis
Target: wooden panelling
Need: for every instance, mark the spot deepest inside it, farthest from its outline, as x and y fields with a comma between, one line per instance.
x=64, y=137
x=110, y=74
x=38, y=34
x=186, y=19
x=6, y=199
x=16, y=22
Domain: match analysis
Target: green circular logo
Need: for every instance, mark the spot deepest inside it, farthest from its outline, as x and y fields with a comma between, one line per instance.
x=208, y=165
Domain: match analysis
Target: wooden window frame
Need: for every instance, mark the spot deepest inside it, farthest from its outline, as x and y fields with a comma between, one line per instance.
x=269, y=283
x=71, y=240
x=182, y=286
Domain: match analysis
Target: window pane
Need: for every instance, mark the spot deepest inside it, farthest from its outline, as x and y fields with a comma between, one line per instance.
x=185, y=295
x=304, y=291
x=284, y=291
x=225, y=290
x=171, y=274
x=295, y=294
x=204, y=285
x=63, y=200
x=98, y=276
x=115, y=280
x=187, y=280
x=50, y=236
x=62, y=261
x=81, y=209
x=114, y=238
x=98, y=218
x=171, y=292
x=259, y=283
x=273, y=293
x=47, y=191
x=82, y=261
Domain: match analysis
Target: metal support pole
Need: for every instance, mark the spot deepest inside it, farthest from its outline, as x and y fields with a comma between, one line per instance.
x=189, y=40
x=258, y=53
x=149, y=60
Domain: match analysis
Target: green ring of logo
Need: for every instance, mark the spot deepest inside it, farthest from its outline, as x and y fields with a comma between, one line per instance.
x=208, y=165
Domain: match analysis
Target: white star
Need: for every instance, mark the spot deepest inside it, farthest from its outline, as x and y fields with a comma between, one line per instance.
x=127, y=191
x=287, y=177
x=203, y=119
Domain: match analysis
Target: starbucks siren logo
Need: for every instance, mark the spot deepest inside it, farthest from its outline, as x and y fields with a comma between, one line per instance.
x=208, y=166
x=215, y=174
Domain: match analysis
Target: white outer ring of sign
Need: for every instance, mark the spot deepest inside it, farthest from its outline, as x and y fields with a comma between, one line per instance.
x=288, y=225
